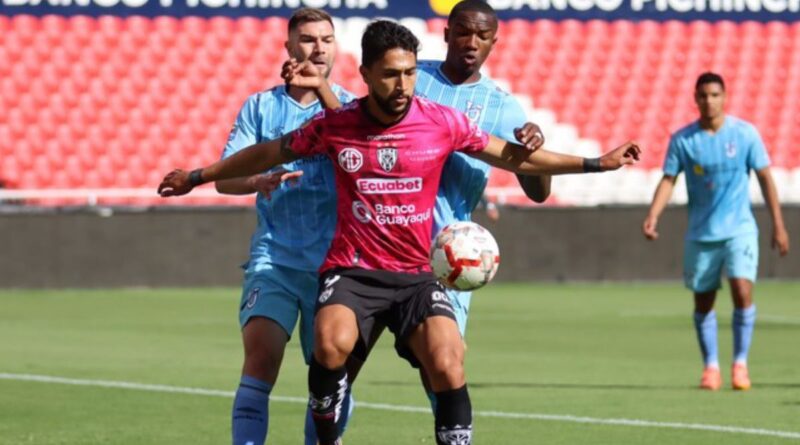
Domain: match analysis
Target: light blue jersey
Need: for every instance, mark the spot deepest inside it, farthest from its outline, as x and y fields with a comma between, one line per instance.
x=495, y=111
x=717, y=170
x=296, y=225
x=464, y=178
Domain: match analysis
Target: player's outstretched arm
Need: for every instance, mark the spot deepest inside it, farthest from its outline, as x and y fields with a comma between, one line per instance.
x=536, y=188
x=660, y=200
x=249, y=161
x=517, y=159
x=780, y=238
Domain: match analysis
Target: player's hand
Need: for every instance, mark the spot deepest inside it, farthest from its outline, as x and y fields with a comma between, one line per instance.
x=302, y=74
x=780, y=240
x=626, y=154
x=269, y=182
x=530, y=136
x=175, y=183
x=649, y=228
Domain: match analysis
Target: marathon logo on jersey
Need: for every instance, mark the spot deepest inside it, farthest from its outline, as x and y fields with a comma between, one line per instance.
x=386, y=137
x=351, y=160
x=387, y=157
x=375, y=186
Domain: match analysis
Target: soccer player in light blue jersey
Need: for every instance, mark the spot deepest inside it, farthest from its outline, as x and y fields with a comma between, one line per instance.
x=717, y=153
x=457, y=82
x=295, y=228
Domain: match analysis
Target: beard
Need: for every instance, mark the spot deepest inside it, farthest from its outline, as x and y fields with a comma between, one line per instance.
x=385, y=104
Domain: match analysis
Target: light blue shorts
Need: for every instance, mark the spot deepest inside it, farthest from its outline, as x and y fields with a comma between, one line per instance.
x=460, y=301
x=282, y=294
x=704, y=261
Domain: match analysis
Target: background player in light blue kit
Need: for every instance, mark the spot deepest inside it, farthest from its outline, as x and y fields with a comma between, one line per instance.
x=717, y=153
x=295, y=227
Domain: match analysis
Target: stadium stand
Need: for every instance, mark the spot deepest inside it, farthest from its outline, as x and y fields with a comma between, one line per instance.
x=109, y=104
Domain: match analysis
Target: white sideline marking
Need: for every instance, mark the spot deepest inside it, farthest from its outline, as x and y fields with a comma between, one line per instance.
x=405, y=408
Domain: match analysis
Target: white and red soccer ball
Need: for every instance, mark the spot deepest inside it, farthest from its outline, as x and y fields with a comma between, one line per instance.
x=464, y=256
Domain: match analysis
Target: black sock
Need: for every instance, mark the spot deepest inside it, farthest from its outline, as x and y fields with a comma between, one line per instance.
x=453, y=417
x=327, y=390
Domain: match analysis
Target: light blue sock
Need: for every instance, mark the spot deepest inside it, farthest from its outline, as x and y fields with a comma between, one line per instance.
x=432, y=397
x=347, y=413
x=250, y=417
x=706, y=327
x=743, y=322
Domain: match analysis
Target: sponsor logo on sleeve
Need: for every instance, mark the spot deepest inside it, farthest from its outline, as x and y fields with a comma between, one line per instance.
x=350, y=160
x=375, y=186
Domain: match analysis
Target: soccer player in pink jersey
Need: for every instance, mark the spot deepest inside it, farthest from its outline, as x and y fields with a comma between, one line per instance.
x=388, y=149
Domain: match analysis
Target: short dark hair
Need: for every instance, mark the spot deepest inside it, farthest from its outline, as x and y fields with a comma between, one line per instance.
x=471, y=6
x=306, y=15
x=709, y=77
x=383, y=35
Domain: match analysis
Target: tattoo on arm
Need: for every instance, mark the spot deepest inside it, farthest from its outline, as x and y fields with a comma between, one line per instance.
x=286, y=147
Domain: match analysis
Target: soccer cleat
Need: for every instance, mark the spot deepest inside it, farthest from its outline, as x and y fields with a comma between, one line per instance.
x=740, y=378
x=712, y=379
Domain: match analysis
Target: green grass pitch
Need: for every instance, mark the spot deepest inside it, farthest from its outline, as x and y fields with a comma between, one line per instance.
x=590, y=351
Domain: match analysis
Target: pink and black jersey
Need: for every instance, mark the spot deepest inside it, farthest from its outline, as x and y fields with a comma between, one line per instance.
x=386, y=179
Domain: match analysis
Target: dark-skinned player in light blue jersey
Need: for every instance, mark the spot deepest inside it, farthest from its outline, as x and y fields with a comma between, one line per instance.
x=457, y=82
x=717, y=152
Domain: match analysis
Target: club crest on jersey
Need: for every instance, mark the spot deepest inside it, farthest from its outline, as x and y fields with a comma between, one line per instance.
x=473, y=112
x=350, y=160
x=730, y=149
x=387, y=157
x=253, y=297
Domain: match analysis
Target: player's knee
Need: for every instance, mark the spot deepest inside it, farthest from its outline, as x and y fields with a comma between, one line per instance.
x=447, y=365
x=331, y=348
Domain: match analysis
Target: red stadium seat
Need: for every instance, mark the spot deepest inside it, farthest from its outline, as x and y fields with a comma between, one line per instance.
x=122, y=100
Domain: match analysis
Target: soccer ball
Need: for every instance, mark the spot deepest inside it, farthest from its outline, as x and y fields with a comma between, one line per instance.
x=464, y=256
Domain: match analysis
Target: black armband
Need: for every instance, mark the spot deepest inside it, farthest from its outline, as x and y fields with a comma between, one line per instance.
x=196, y=177
x=591, y=165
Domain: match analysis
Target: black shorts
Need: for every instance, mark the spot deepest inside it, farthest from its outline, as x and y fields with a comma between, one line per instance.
x=399, y=301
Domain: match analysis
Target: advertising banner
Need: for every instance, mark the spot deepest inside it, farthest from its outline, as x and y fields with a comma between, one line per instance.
x=660, y=10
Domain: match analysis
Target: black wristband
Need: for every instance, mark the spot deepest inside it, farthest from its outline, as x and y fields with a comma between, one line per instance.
x=591, y=165
x=196, y=177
